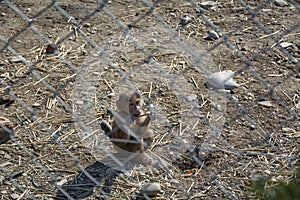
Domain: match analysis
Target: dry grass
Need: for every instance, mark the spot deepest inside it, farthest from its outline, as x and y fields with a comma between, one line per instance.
x=57, y=143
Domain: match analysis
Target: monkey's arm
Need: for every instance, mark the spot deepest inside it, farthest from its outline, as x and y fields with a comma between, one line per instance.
x=135, y=128
x=106, y=128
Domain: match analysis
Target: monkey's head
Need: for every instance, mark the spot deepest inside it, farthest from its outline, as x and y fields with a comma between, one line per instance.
x=132, y=105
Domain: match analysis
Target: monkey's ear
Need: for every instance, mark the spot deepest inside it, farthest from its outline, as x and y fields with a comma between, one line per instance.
x=123, y=102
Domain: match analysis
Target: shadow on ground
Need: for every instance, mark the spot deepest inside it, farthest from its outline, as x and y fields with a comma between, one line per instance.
x=83, y=186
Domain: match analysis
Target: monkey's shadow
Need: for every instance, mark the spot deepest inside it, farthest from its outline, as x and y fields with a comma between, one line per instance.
x=83, y=185
x=98, y=176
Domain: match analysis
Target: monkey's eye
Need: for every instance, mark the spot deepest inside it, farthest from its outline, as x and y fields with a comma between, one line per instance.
x=137, y=102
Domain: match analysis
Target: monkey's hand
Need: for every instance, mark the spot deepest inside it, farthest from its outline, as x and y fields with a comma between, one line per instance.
x=153, y=116
x=152, y=112
x=106, y=128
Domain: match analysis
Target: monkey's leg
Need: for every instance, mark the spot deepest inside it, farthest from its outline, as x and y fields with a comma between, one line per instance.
x=106, y=128
x=148, y=139
x=139, y=149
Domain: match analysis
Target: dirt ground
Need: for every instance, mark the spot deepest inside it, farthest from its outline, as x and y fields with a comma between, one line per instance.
x=213, y=145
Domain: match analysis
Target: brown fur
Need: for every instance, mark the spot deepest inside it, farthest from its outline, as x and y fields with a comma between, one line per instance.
x=131, y=127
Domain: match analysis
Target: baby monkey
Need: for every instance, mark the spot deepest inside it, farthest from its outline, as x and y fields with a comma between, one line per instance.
x=131, y=131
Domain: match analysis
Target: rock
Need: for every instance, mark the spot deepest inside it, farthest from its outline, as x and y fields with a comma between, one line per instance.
x=151, y=189
x=286, y=44
x=185, y=19
x=86, y=25
x=51, y=48
x=1, y=180
x=15, y=196
x=4, y=132
x=252, y=127
x=280, y=3
x=61, y=182
x=192, y=97
x=212, y=35
x=35, y=105
x=4, y=75
x=16, y=60
x=267, y=104
x=79, y=102
x=207, y=4
x=222, y=80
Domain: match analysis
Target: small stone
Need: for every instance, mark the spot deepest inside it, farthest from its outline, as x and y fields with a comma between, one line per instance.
x=1, y=180
x=5, y=131
x=280, y=3
x=16, y=60
x=15, y=196
x=267, y=104
x=86, y=25
x=222, y=80
x=35, y=105
x=207, y=4
x=151, y=189
x=192, y=97
x=51, y=48
x=287, y=129
x=185, y=19
x=286, y=44
x=4, y=75
x=61, y=182
x=252, y=127
x=212, y=35
x=79, y=102
x=267, y=171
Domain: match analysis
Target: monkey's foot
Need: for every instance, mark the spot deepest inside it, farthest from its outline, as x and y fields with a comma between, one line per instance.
x=144, y=159
x=106, y=128
x=147, y=142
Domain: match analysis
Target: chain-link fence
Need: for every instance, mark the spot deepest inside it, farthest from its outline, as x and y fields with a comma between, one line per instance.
x=64, y=65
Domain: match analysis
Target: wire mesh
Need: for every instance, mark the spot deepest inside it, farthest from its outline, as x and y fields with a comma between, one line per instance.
x=65, y=63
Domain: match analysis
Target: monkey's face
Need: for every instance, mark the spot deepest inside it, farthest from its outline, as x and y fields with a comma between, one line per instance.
x=132, y=105
x=135, y=107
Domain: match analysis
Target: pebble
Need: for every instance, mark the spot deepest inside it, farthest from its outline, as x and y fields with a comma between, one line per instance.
x=151, y=189
x=79, y=102
x=86, y=25
x=280, y=3
x=185, y=19
x=267, y=104
x=192, y=97
x=15, y=196
x=61, y=182
x=51, y=48
x=212, y=35
x=286, y=129
x=221, y=80
x=15, y=60
x=286, y=44
x=207, y=4
x=35, y=105
x=4, y=75
x=252, y=127
x=1, y=180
